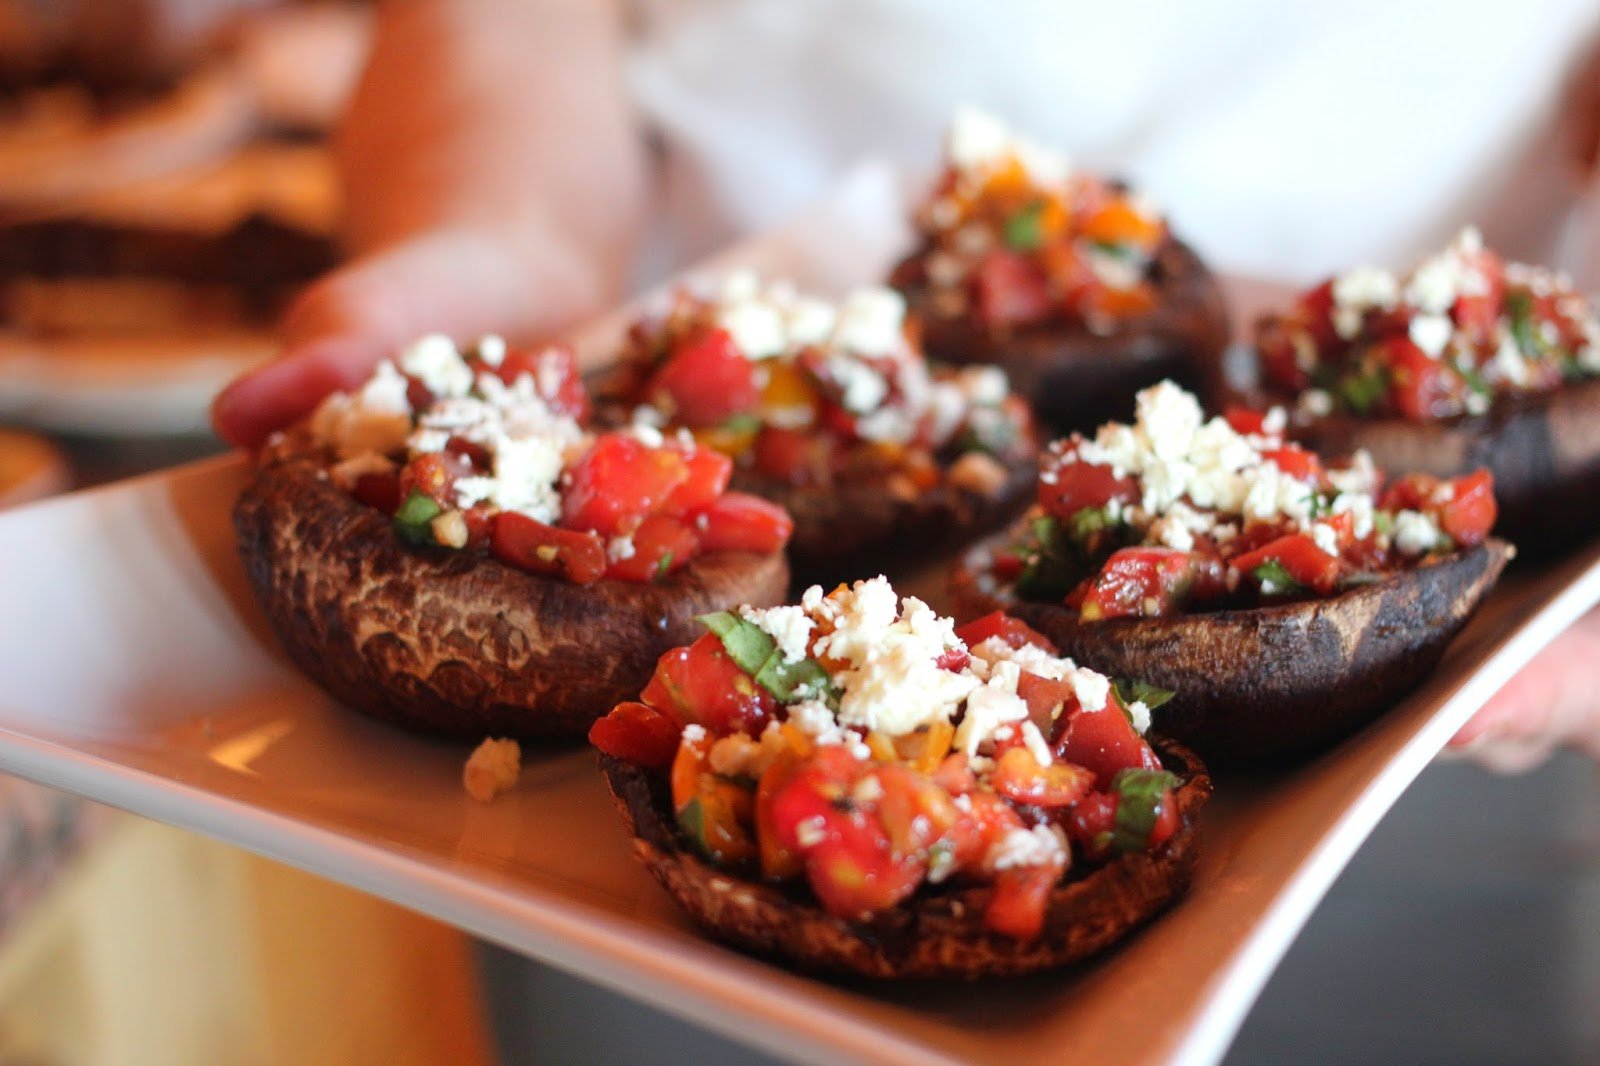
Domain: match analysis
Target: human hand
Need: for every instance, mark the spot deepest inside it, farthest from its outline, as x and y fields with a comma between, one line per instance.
x=494, y=184
x=1554, y=700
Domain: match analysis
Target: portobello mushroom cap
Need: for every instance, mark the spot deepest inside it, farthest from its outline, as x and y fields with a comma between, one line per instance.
x=938, y=932
x=1075, y=378
x=1543, y=450
x=1271, y=682
x=456, y=642
x=854, y=529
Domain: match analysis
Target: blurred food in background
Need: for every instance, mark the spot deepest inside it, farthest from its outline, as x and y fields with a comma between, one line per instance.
x=165, y=189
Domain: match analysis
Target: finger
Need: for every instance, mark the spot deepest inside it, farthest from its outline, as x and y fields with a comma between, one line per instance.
x=254, y=405
x=460, y=284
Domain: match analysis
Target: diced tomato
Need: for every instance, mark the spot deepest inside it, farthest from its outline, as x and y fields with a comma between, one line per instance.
x=700, y=683
x=834, y=419
x=523, y=542
x=1021, y=895
x=639, y=734
x=381, y=491
x=1411, y=492
x=1018, y=777
x=1102, y=741
x=475, y=455
x=1471, y=510
x=1477, y=314
x=1091, y=824
x=706, y=379
x=620, y=481
x=793, y=456
x=1044, y=695
x=1315, y=311
x=953, y=659
x=1296, y=462
x=1246, y=421
x=848, y=857
x=1278, y=341
x=661, y=545
x=555, y=374
x=1121, y=222
x=1013, y=631
x=1419, y=386
x=1135, y=582
x=1011, y=290
x=740, y=522
x=709, y=471
x=1297, y=553
x=1076, y=485
x=1167, y=820
x=777, y=862
x=434, y=475
x=480, y=525
x=955, y=775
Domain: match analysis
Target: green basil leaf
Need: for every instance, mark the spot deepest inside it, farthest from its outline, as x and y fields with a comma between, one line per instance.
x=755, y=652
x=412, y=522
x=1023, y=230
x=692, y=820
x=1361, y=391
x=743, y=422
x=1136, y=691
x=1519, y=310
x=1138, y=795
x=663, y=565
x=1275, y=574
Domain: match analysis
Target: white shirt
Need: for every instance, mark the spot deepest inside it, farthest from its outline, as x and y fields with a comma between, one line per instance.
x=1285, y=140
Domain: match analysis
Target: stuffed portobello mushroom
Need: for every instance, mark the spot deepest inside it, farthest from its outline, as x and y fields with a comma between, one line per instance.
x=1469, y=362
x=1074, y=285
x=1285, y=600
x=830, y=410
x=448, y=548
x=854, y=785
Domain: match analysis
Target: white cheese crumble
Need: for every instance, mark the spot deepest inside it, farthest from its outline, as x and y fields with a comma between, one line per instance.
x=1431, y=333
x=1359, y=290
x=978, y=142
x=434, y=360
x=1043, y=845
x=1416, y=533
x=789, y=628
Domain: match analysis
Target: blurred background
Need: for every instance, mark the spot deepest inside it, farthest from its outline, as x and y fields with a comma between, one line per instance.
x=165, y=187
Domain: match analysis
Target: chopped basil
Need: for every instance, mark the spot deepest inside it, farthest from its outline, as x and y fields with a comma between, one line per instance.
x=1360, y=578
x=1089, y=521
x=1051, y=567
x=755, y=652
x=1274, y=577
x=412, y=522
x=663, y=565
x=1127, y=252
x=1318, y=505
x=1024, y=231
x=1519, y=310
x=1475, y=381
x=1131, y=692
x=741, y=423
x=1361, y=391
x=1138, y=795
x=692, y=820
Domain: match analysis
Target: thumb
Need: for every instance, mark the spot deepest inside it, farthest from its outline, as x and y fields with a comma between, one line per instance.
x=460, y=283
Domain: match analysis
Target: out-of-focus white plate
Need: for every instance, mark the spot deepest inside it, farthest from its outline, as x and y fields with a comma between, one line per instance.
x=136, y=669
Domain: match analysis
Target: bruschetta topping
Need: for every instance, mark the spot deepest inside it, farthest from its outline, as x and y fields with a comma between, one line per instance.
x=485, y=450
x=1464, y=329
x=1019, y=238
x=1175, y=513
x=807, y=392
x=864, y=743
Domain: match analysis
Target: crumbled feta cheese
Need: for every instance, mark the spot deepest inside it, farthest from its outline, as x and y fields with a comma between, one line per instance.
x=809, y=832
x=789, y=628
x=694, y=733
x=871, y=321
x=1043, y=845
x=493, y=768
x=1318, y=403
x=1359, y=506
x=1431, y=333
x=619, y=548
x=863, y=387
x=1358, y=290
x=434, y=360
x=492, y=349
x=1325, y=537
x=1034, y=741
x=1416, y=533
x=1508, y=363
x=979, y=141
x=1139, y=712
x=990, y=707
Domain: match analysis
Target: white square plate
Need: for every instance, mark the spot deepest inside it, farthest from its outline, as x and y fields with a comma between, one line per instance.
x=135, y=669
